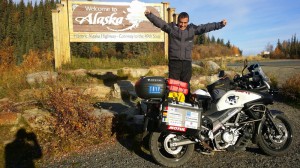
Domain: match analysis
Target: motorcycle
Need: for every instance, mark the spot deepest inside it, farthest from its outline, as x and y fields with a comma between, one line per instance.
x=226, y=117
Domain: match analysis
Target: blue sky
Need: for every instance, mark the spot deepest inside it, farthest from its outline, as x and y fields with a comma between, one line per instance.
x=252, y=24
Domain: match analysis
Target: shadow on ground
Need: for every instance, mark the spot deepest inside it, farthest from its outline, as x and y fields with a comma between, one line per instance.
x=23, y=150
x=109, y=78
x=255, y=150
x=129, y=133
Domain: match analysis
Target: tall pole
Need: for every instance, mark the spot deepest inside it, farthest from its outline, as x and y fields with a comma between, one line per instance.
x=171, y=11
x=166, y=37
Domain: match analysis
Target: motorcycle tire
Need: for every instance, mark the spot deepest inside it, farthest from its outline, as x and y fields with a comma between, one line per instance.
x=161, y=155
x=273, y=144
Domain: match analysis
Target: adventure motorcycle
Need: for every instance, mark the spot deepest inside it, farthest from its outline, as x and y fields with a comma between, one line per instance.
x=227, y=117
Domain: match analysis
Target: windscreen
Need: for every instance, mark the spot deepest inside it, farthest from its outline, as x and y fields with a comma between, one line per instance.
x=258, y=71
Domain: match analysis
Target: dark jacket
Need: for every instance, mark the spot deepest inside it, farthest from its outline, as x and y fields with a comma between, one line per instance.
x=181, y=41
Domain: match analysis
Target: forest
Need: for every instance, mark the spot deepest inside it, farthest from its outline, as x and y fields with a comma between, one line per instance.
x=287, y=49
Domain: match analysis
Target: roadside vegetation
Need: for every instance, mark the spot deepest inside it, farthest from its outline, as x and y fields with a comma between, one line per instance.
x=72, y=127
x=291, y=90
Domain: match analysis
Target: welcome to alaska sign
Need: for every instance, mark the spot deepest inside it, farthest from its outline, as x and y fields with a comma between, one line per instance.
x=89, y=21
x=113, y=22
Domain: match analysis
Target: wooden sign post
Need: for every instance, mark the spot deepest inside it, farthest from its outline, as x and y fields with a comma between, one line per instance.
x=61, y=34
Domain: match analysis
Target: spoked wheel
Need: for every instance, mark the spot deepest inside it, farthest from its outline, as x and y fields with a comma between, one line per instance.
x=272, y=142
x=166, y=155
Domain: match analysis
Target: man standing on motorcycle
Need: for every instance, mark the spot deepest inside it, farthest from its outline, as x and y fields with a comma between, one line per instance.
x=181, y=36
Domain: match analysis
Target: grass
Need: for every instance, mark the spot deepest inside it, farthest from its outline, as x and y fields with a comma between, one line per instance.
x=74, y=126
x=291, y=90
x=115, y=63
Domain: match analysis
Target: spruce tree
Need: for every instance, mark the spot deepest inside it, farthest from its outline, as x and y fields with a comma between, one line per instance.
x=21, y=9
x=218, y=41
x=9, y=20
x=222, y=42
x=213, y=40
x=3, y=22
x=228, y=45
x=201, y=39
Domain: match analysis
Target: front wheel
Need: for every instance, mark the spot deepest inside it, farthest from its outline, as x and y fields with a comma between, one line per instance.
x=166, y=155
x=273, y=143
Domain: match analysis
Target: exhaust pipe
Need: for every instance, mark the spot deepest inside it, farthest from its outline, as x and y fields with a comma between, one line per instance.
x=181, y=143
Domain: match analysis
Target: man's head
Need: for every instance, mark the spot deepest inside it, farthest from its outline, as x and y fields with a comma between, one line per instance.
x=182, y=21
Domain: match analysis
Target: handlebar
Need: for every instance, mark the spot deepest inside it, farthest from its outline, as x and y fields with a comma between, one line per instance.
x=250, y=81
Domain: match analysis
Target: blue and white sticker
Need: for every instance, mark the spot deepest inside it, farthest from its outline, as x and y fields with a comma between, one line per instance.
x=154, y=89
x=191, y=120
x=191, y=116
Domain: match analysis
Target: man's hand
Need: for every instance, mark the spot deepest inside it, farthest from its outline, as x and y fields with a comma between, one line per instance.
x=224, y=22
x=147, y=11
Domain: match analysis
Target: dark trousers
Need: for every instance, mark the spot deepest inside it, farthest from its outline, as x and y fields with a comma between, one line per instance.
x=180, y=70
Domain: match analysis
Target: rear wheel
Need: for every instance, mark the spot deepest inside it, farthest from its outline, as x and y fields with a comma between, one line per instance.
x=166, y=155
x=273, y=143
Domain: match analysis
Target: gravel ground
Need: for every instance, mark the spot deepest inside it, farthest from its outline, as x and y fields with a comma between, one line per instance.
x=122, y=154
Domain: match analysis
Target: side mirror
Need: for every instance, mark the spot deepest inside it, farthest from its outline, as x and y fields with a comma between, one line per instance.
x=245, y=66
x=245, y=63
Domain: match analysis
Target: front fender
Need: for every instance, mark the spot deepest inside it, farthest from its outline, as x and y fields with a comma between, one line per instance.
x=272, y=114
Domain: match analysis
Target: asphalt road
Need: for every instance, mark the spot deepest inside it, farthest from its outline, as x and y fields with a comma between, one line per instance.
x=281, y=70
x=273, y=63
